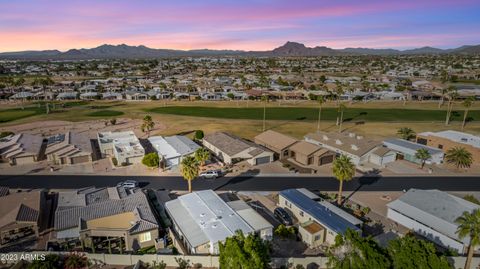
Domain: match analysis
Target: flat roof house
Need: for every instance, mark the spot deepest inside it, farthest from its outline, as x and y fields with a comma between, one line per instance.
x=276, y=142
x=21, y=148
x=320, y=221
x=406, y=150
x=21, y=215
x=172, y=149
x=432, y=214
x=202, y=220
x=69, y=148
x=231, y=149
x=124, y=146
x=92, y=214
x=446, y=140
x=354, y=146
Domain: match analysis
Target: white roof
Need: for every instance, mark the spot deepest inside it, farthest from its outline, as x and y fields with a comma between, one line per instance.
x=173, y=146
x=433, y=208
x=125, y=143
x=456, y=136
x=204, y=217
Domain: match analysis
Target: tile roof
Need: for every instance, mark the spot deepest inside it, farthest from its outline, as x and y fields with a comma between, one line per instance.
x=90, y=203
x=275, y=140
x=351, y=143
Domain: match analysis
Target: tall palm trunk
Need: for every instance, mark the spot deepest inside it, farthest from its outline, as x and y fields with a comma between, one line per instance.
x=468, y=262
x=340, y=190
x=449, y=112
x=189, y=186
x=264, y=114
x=464, y=118
x=319, y=117
x=341, y=121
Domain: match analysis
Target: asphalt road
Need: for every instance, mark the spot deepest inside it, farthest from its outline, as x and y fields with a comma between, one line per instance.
x=246, y=183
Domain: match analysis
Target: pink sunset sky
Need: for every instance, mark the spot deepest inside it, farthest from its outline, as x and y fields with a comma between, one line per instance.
x=244, y=25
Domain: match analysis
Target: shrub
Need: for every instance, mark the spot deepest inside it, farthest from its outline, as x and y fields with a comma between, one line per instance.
x=151, y=160
x=6, y=133
x=285, y=232
x=114, y=161
x=182, y=263
x=113, y=121
x=199, y=134
x=158, y=265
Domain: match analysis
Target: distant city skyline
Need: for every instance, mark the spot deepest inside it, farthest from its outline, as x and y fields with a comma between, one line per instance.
x=237, y=25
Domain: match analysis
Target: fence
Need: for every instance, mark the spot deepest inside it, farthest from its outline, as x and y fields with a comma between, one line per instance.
x=205, y=261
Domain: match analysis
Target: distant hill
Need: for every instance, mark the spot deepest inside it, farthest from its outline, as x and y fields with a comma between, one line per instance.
x=288, y=49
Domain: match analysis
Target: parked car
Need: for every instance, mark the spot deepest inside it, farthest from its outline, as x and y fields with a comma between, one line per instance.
x=211, y=174
x=128, y=184
x=283, y=216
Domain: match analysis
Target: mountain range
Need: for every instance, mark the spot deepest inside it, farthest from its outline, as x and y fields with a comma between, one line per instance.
x=288, y=49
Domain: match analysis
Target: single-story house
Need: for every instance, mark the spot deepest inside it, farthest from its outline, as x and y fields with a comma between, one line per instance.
x=21, y=148
x=449, y=139
x=69, y=148
x=406, y=150
x=231, y=149
x=307, y=154
x=21, y=215
x=382, y=156
x=113, y=213
x=432, y=214
x=202, y=219
x=354, y=146
x=172, y=149
x=309, y=208
x=136, y=95
x=276, y=142
x=124, y=146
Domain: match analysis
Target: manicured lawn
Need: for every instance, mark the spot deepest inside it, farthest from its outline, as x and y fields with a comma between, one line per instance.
x=105, y=113
x=299, y=113
x=18, y=113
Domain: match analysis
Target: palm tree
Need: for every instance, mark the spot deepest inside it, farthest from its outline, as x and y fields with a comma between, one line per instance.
x=451, y=95
x=469, y=226
x=148, y=124
x=406, y=133
x=264, y=100
x=202, y=155
x=467, y=104
x=189, y=169
x=341, y=109
x=343, y=170
x=423, y=155
x=321, y=101
x=459, y=156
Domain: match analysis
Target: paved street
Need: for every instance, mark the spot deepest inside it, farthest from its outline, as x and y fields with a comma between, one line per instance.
x=247, y=183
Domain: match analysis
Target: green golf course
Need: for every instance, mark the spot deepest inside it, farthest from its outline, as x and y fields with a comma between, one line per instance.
x=303, y=113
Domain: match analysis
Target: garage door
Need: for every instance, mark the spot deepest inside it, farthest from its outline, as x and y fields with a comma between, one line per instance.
x=262, y=160
x=326, y=159
x=24, y=160
x=80, y=159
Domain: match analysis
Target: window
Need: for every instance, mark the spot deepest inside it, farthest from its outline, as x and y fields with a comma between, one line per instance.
x=301, y=213
x=317, y=237
x=285, y=153
x=145, y=237
x=440, y=146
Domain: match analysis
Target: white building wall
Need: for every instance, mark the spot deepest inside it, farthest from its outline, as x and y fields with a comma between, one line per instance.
x=426, y=231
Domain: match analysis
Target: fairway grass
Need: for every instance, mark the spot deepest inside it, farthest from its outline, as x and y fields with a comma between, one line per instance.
x=303, y=113
x=105, y=113
x=18, y=113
